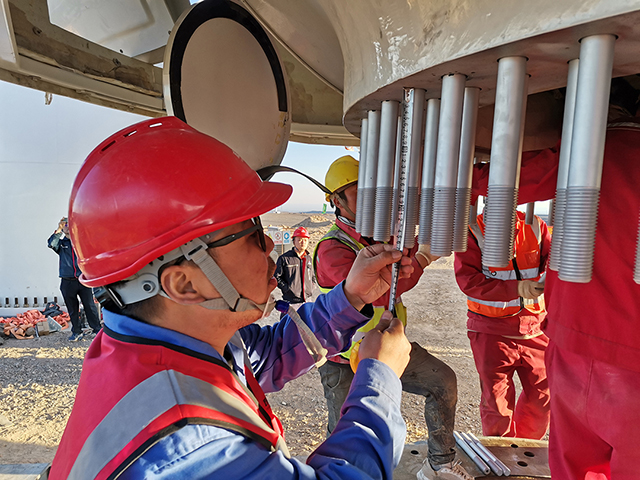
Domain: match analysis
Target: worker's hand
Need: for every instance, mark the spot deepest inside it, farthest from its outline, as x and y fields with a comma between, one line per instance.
x=387, y=343
x=530, y=289
x=424, y=257
x=61, y=224
x=370, y=275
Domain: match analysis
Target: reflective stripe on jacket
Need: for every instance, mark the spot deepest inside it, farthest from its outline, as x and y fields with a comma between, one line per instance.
x=336, y=233
x=186, y=388
x=525, y=265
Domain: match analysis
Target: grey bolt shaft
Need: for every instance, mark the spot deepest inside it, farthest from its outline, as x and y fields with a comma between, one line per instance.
x=563, y=165
x=528, y=219
x=361, y=172
x=483, y=467
x=444, y=190
x=465, y=168
x=386, y=163
x=429, y=170
x=371, y=173
x=504, y=170
x=587, y=155
x=396, y=179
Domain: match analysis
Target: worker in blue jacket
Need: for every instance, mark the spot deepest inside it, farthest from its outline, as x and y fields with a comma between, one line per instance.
x=174, y=385
x=70, y=287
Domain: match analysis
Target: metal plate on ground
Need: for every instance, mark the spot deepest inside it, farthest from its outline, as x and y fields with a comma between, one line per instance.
x=411, y=462
x=528, y=459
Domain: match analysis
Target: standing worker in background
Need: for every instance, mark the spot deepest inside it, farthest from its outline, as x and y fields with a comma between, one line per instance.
x=506, y=309
x=425, y=375
x=173, y=387
x=70, y=286
x=294, y=271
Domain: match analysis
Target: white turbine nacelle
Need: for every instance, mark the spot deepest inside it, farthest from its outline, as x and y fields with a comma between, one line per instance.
x=340, y=60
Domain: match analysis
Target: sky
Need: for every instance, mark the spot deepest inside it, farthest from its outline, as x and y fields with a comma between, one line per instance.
x=66, y=131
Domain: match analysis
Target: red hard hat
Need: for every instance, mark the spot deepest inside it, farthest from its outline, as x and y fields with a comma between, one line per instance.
x=152, y=187
x=301, y=232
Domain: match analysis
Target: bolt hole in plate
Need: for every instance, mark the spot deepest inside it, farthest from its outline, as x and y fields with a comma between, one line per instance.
x=525, y=458
x=415, y=452
x=222, y=76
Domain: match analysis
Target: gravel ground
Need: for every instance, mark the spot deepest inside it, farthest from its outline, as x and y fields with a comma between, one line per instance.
x=39, y=377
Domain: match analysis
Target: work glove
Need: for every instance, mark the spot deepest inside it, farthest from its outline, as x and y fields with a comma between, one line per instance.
x=425, y=252
x=530, y=289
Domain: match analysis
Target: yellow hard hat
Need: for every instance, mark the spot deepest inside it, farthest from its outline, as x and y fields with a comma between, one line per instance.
x=342, y=172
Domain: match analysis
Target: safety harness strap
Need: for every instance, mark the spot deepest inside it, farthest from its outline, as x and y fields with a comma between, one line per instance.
x=231, y=299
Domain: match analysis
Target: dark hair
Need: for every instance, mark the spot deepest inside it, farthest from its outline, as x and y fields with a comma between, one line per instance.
x=343, y=197
x=143, y=310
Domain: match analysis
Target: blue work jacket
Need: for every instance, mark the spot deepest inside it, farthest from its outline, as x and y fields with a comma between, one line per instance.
x=367, y=442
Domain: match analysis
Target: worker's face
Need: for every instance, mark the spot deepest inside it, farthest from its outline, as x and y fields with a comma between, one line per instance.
x=64, y=226
x=351, y=195
x=247, y=266
x=300, y=243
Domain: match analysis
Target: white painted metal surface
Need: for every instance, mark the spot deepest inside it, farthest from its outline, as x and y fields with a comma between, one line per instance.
x=367, y=50
x=222, y=76
x=132, y=27
x=8, y=49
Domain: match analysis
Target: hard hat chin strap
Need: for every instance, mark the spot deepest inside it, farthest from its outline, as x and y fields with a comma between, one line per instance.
x=230, y=298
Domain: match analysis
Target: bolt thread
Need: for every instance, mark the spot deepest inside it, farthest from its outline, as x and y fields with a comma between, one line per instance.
x=426, y=214
x=578, y=239
x=558, y=230
x=444, y=200
x=461, y=220
x=411, y=216
x=382, y=225
x=500, y=219
x=394, y=211
x=367, y=209
x=359, y=210
x=636, y=271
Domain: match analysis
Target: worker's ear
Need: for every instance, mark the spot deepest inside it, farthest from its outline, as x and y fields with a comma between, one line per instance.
x=183, y=283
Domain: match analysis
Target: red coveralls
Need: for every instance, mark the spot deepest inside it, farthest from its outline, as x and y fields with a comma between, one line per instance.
x=507, y=339
x=593, y=360
x=336, y=259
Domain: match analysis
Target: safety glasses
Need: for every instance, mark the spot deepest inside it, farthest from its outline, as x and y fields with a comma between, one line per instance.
x=256, y=227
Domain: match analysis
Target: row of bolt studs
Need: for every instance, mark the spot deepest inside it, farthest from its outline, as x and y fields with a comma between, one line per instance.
x=25, y=304
x=443, y=175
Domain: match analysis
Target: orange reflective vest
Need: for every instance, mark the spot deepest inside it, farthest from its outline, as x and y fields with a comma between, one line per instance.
x=525, y=265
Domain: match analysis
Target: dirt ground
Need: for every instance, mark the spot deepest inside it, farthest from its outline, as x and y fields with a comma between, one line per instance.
x=39, y=377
